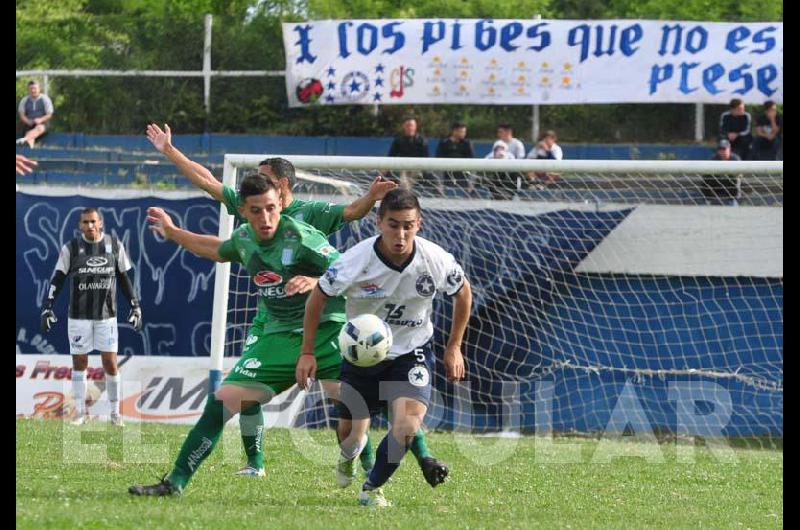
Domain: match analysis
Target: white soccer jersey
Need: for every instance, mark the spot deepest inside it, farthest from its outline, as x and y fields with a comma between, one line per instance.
x=402, y=296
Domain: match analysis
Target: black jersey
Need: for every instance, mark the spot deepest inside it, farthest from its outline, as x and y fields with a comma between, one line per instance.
x=93, y=267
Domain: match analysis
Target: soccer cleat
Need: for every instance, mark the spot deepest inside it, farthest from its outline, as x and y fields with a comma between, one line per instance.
x=435, y=472
x=250, y=471
x=373, y=498
x=163, y=488
x=79, y=420
x=345, y=471
x=116, y=420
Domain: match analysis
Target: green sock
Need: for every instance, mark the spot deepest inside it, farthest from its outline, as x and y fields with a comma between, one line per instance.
x=251, y=421
x=200, y=442
x=367, y=456
x=419, y=447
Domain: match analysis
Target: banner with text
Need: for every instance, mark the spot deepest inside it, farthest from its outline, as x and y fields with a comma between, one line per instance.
x=507, y=62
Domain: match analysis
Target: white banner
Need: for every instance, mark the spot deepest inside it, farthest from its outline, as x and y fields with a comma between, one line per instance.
x=154, y=389
x=507, y=62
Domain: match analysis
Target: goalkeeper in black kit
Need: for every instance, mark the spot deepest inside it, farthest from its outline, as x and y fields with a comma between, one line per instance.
x=95, y=262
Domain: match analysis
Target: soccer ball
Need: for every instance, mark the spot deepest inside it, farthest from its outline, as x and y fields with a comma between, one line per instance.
x=365, y=340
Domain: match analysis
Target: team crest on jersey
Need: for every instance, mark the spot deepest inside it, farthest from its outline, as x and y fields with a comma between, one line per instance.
x=267, y=278
x=419, y=376
x=326, y=250
x=287, y=257
x=425, y=285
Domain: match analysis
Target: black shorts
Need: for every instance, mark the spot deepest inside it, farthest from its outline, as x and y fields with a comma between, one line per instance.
x=365, y=391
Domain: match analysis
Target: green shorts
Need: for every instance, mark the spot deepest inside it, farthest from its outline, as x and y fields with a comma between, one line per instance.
x=271, y=359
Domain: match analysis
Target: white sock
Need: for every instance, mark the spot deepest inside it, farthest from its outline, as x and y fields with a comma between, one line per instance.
x=79, y=391
x=350, y=452
x=113, y=387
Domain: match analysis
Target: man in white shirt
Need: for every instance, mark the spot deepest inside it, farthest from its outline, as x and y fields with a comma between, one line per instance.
x=395, y=276
x=515, y=147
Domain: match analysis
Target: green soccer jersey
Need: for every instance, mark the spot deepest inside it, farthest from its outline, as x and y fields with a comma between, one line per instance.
x=323, y=216
x=297, y=249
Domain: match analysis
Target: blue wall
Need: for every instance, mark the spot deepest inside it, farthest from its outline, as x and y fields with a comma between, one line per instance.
x=534, y=317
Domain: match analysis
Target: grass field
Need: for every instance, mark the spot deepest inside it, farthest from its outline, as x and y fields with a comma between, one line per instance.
x=518, y=490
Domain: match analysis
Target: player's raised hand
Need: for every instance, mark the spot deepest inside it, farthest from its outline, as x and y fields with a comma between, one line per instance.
x=160, y=139
x=25, y=165
x=454, y=364
x=306, y=370
x=160, y=221
x=380, y=187
x=300, y=285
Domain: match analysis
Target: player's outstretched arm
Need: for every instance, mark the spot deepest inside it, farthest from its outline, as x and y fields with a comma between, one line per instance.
x=202, y=245
x=307, y=364
x=197, y=174
x=362, y=206
x=453, y=359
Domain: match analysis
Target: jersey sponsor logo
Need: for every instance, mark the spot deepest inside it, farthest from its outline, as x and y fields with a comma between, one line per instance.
x=454, y=278
x=371, y=290
x=267, y=278
x=95, y=270
x=425, y=285
x=272, y=291
x=96, y=261
x=330, y=274
x=405, y=323
x=251, y=364
x=419, y=376
x=94, y=286
x=251, y=339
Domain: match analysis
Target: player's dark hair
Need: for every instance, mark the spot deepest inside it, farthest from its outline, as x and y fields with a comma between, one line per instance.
x=92, y=209
x=398, y=199
x=768, y=104
x=33, y=82
x=281, y=168
x=255, y=184
x=458, y=125
x=505, y=126
x=735, y=102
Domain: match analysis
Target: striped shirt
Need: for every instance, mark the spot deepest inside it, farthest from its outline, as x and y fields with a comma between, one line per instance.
x=93, y=266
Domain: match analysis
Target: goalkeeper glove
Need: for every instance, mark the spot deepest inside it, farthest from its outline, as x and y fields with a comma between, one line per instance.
x=135, y=316
x=48, y=316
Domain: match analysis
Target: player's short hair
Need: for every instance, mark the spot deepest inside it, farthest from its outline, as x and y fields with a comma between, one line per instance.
x=505, y=126
x=735, y=102
x=398, y=199
x=281, y=168
x=255, y=184
x=548, y=134
x=92, y=209
x=458, y=125
x=768, y=104
x=33, y=82
x=409, y=118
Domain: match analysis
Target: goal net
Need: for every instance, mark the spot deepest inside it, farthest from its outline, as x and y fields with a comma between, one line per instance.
x=608, y=295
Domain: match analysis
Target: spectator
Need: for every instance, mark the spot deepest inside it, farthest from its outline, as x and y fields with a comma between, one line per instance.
x=35, y=110
x=411, y=144
x=515, y=147
x=723, y=189
x=734, y=126
x=546, y=149
x=457, y=146
x=500, y=184
x=769, y=130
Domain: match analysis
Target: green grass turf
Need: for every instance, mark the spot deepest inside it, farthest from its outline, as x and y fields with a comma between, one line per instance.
x=494, y=483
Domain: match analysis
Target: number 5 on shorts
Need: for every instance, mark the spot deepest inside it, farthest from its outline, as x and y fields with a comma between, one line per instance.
x=420, y=354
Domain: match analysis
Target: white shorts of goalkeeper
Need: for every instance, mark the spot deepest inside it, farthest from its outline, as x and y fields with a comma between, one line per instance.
x=87, y=335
